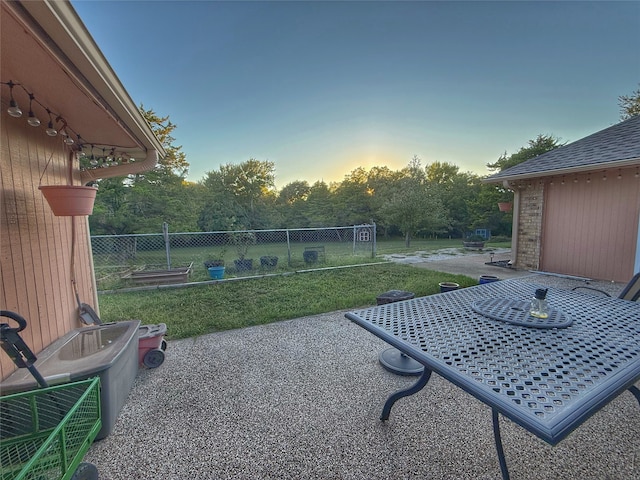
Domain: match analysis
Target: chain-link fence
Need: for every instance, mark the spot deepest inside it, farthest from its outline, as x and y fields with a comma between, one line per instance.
x=125, y=260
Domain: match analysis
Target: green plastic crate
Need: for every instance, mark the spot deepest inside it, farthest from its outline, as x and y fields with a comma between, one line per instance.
x=45, y=433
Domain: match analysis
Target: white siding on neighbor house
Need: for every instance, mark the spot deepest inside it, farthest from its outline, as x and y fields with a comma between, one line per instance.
x=35, y=246
x=590, y=224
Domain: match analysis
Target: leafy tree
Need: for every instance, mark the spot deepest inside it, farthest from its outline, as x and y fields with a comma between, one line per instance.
x=140, y=203
x=294, y=192
x=413, y=204
x=541, y=144
x=629, y=105
x=414, y=169
x=457, y=190
x=353, y=198
x=111, y=212
x=484, y=213
x=320, y=206
x=414, y=208
x=239, y=196
x=291, y=204
x=441, y=173
x=175, y=161
x=381, y=183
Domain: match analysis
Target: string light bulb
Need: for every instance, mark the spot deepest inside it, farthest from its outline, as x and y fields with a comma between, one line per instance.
x=14, y=109
x=32, y=120
x=52, y=132
x=67, y=138
x=92, y=159
x=57, y=125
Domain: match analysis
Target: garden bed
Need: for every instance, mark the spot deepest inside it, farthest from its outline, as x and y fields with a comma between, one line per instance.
x=159, y=277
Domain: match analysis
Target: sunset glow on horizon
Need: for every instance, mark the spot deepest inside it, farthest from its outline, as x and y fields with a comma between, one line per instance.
x=322, y=88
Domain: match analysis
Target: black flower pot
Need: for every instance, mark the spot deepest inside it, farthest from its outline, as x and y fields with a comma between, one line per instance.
x=269, y=261
x=310, y=256
x=243, y=264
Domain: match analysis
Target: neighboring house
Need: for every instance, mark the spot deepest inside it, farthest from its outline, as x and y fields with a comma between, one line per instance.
x=576, y=208
x=48, y=53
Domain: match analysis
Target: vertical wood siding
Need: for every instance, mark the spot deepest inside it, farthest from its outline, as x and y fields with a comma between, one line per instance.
x=35, y=245
x=590, y=225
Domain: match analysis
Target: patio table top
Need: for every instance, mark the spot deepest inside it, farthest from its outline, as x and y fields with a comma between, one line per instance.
x=548, y=380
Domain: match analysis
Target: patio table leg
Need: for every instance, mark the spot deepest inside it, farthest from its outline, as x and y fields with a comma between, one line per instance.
x=416, y=387
x=498, y=439
x=636, y=392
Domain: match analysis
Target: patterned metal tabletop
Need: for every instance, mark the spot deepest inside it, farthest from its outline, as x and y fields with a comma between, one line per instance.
x=516, y=312
x=547, y=380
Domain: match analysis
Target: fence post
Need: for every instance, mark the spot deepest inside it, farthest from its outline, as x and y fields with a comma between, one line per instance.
x=374, y=244
x=354, y=240
x=167, y=247
x=288, y=249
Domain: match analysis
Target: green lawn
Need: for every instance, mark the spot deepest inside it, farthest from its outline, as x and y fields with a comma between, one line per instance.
x=196, y=310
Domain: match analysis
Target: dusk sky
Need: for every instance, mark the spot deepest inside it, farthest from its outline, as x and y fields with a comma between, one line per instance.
x=320, y=88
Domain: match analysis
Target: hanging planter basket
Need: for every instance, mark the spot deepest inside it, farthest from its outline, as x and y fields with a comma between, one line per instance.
x=69, y=200
x=505, y=206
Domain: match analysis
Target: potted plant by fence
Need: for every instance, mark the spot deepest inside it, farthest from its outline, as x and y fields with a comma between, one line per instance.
x=268, y=261
x=242, y=241
x=310, y=256
x=215, y=265
x=216, y=260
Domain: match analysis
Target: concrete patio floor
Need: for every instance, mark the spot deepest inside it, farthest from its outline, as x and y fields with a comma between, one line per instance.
x=301, y=399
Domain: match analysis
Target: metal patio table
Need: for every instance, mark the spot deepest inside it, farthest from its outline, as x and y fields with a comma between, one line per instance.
x=548, y=376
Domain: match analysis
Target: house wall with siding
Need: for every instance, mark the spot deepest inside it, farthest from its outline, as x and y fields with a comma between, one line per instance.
x=590, y=224
x=584, y=225
x=36, y=246
x=530, y=209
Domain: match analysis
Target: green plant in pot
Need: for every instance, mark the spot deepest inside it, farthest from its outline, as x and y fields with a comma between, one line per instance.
x=242, y=241
x=215, y=265
x=216, y=260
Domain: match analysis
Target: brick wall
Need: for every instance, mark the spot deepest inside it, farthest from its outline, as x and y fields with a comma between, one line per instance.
x=530, y=225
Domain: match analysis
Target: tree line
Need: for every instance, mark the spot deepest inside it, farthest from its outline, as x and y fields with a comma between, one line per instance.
x=417, y=200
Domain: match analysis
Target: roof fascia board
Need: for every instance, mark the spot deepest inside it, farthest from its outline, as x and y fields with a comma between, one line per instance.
x=566, y=171
x=81, y=56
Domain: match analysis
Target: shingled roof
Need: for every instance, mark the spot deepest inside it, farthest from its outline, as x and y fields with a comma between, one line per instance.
x=614, y=147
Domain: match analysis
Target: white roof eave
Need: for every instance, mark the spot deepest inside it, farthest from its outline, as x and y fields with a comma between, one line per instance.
x=564, y=171
x=74, y=47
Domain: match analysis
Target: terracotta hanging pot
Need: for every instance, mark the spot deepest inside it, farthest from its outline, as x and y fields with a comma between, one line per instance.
x=69, y=200
x=505, y=206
